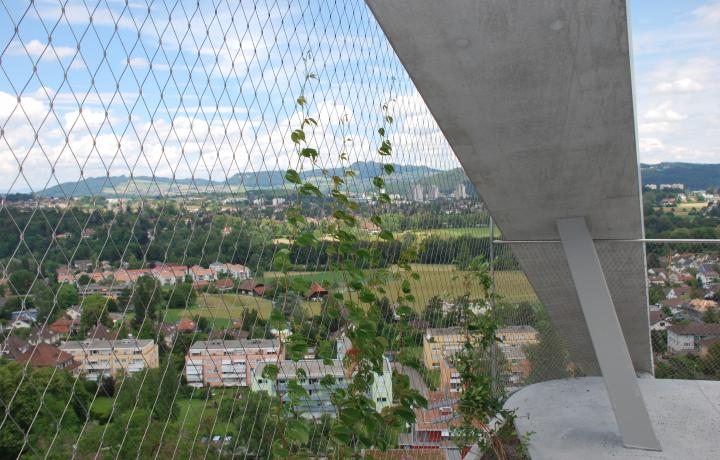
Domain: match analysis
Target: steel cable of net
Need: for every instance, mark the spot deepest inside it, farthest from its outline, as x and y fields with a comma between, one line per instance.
x=51, y=312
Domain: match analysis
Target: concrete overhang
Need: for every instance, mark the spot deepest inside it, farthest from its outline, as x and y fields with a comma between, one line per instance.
x=535, y=98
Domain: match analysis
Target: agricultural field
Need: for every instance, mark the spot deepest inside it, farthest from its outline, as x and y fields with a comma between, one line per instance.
x=477, y=232
x=683, y=209
x=445, y=280
x=222, y=309
x=435, y=280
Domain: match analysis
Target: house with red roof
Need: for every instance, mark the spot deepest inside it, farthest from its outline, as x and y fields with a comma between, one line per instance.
x=316, y=292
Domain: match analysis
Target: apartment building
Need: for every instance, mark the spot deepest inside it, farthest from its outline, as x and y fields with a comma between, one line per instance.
x=440, y=342
x=235, y=271
x=319, y=402
x=518, y=335
x=315, y=369
x=228, y=363
x=99, y=358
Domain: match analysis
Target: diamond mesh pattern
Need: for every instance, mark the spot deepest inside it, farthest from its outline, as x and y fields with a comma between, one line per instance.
x=143, y=150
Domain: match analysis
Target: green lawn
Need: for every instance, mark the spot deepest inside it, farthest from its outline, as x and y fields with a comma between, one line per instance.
x=223, y=309
x=440, y=280
x=445, y=281
x=101, y=407
x=683, y=209
x=200, y=417
x=478, y=232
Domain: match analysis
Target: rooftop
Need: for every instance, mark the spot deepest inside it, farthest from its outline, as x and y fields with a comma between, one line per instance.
x=242, y=344
x=315, y=368
x=95, y=344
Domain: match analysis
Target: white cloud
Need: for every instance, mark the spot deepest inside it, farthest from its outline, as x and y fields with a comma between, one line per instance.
x=36, y=48
x=136, y=62
x=664, y=113
x=684, y=85
x=708, y=14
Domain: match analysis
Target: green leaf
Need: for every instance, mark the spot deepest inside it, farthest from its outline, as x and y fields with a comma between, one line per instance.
x=385, y=148
x=389, y=169
x=310, y=189
x=301, y=101
x=308, y=152
x=292, y=176
x=406, y=286
x=377, y=220
x=270, y=371
x=386, y=235
x=384, y=198
x=342, y=434
x=381, y=131
x=306, y=239
x=279, y=451
x=297, y=431
x=297, y=136
x=405, y=413
x=378, y=182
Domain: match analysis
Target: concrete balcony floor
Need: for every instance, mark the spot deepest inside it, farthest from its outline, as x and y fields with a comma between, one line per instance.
x=572, y=419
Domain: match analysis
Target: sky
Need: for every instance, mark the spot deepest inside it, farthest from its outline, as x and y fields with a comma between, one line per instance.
x=174, y=89
x=676, y=59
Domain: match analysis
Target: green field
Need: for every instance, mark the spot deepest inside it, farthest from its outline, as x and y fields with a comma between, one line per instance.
x=101, y=407
x=435, y=280
x=223, y=309
x=199, y=413
x=683, y=209
x=445, y=281
x=477, y=232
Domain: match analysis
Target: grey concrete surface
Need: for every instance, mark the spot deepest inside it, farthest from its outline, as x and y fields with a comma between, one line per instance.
x=572, y=419
x=535, y=98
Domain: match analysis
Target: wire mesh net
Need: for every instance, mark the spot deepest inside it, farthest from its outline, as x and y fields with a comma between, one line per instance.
x=683, y=295
x=145, y=150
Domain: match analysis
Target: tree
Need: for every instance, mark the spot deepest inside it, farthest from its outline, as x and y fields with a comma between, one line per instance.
x=28, y=402
x=667, y=311
x=658, y=340
x=678, y=367
x=21, y=281
x=548, y=359
x=94, y=311
x=145, y=298
x=44, y=300
x=157, y=393
x=84, y=280
x=656, y=294
x=15, y=303
x=182, y=295
x=67, y=296
x=711, y=363
x=433, y=313
x=711, y=316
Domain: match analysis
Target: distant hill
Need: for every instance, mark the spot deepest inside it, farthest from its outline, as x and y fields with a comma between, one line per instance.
x=149, y=187
x=694, y=176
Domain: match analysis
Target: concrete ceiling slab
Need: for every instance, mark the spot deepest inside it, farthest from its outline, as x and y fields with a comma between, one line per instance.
x=535, y=98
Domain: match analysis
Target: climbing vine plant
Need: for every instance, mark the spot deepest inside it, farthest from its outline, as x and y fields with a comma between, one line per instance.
x=357, y=424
